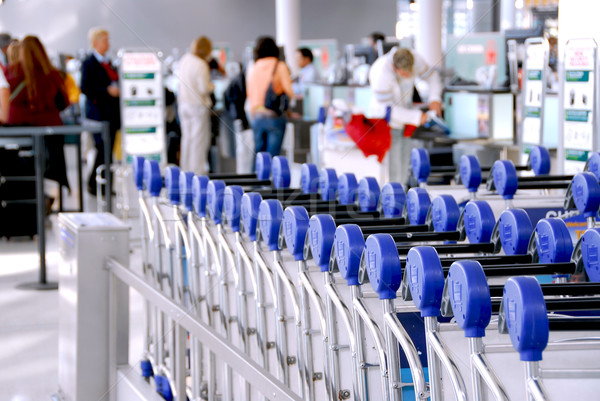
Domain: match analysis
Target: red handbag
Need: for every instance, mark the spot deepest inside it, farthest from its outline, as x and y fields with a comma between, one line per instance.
x=373, y=136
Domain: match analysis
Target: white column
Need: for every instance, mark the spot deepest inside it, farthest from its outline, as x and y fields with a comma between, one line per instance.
x=429, y=36
x=507, y=17
x=287, y=13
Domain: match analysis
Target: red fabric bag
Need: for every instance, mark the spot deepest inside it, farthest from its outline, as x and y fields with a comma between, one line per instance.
x=372, y=136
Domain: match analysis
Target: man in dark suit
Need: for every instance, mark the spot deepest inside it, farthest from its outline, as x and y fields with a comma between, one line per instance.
x=99, y=83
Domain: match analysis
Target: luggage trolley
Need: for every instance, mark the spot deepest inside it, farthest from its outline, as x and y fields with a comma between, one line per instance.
x=421, y=262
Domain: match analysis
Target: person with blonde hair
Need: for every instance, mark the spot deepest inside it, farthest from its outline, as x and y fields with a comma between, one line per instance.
x=194, y=104
x=12, y=52
x=392, y=79
x=99, y=83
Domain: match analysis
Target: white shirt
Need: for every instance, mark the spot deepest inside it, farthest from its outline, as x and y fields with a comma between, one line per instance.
x=194, y=85
x=389, y=89
x=307, y=74
x=3, y=81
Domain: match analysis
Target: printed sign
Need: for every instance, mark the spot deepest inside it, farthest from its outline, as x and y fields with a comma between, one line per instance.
x=578, y=101
x=534, y=90
x=142, y=106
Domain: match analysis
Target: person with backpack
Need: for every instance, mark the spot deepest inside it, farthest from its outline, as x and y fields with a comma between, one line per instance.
x=268, y=88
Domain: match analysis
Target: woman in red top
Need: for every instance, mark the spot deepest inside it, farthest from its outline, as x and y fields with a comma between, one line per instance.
x=38, y=95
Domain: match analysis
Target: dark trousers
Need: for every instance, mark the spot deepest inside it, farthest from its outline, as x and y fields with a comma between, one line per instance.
x=99, y=160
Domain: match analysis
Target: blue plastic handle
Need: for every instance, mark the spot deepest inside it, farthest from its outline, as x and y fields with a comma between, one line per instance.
x=444, y=213
x=215, y=194
x=420, y=164
x=295, y=227
x=515, y=231
x=349, y=246
x=553, y=241
x=593, y=164
x=426, y=279
x=417, y=205
x=186, y=179
x=199, y=189
x=270, y=215
x=250, y=207
x=232, y=206
x=526, y=317
x=383, y=265
x=321, y=232
x=152, y=177
x=322, y=115
x=470, y=172
x=479, y=221
x=368, y=194
x=393, y=199
x=590, y=252
x=505, y=178
x=280, y=169
x=172, y=184
x=328, y=184
x=138, y=171
x=388, y=114
x=309, y=178
x=586, y=193
x=470, y=297
x=347, y=188
x=262, y=165
x=539, y=158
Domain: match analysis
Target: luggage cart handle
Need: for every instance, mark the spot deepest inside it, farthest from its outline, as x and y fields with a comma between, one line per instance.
x=289, y=285
x=409, y=349
x=441, y=352
x=227, y=249
x=196, y=234
x=268, y=275
x=146, y=215
x=375, y=331
x=492, y=381
x=316, y=300
x=536, y=389
x=248, y=263
x=212, y=246
x=344, y=312
x=161, y=223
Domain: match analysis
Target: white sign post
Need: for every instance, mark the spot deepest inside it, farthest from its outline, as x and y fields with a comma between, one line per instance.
x=142, y=106
x=534, y=91
x=579, y=101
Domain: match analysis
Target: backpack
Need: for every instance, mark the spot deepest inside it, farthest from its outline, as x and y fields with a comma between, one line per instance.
x=234, y=98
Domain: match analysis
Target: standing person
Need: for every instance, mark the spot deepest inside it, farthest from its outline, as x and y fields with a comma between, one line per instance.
x=392, y=80
x=99, y=83
x=12, y=52
x=374, y=40
x=4, y=98
x=5, y=41
x=194, y=104
x=268, y=125
x=38, y=95
x=308, y=71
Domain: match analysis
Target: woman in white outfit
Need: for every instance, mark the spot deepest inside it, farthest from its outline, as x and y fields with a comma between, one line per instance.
x=194, y=104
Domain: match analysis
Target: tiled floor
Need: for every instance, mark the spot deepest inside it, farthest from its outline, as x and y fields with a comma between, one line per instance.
x=29, y=319
x=28, y=324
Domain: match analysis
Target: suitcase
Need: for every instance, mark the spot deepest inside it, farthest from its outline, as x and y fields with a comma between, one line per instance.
x=17, y=189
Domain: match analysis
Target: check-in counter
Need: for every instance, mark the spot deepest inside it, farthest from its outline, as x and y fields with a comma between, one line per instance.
x=321, y=94
x=472, y=112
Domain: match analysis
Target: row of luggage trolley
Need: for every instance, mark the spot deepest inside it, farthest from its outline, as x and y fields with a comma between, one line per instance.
x=345, y=290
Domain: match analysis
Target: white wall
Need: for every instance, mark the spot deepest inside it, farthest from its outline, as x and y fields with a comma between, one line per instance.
x=63, y=24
